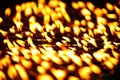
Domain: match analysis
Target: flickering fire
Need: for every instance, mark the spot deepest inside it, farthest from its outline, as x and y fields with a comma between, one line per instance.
x=55, y=45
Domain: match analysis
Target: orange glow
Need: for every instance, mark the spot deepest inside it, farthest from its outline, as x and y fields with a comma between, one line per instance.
x=90, y=6
x=19, y=25
x=86, y=36
x=34, y=50
x=32, y=28
x=16, y=58
x=12, y=29
x=12, y=73
x=18, y=8
x=101, y=20
x=117, y=10
x=85, y=12
x=67, y=29
x=77, y=60
x=71, y=67
x=91, y=25
x=112, y=28
x=54, y=16
x=98, y=12
x=9, y=44
x=45, y=64
x=20, y=42
x=62, y=4
x=104, y=11
x=8, y=12
x=63, y=56
x=27, y=33
x=29, y=40
x=28, y=11
x=109, y=64
x=36, y=58
x=99, y=55
x=81, y=4
x=85, y=72
x=17, y=17
x=2, y=76
x=19, y=36
x=4, y=33
x=83, y=22
x=75, y=5
x=44, y=77
x=67, y=17
x=84, y=42
x=21, y=71
x=109, y=6
x=54, y=42
x=92, y=41
x=26, y=63
x=86, y=58
x=1, y=20
x=56, y=59
x=116, y=55
x=73, y=78
x=111, y=16
x=6, y=60
x=59, y=74
x=95, y=69
x=46, y=19
x=41, y=70
x=76, y=30
x=53, y=3
x=113, y=60
x=77, y=41
x=90, y=32
x=88, y=18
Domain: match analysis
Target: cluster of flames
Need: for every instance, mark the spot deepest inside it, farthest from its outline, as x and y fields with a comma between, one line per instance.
x=45, y=55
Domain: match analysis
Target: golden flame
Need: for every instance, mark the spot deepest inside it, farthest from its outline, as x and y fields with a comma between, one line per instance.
x=21, y=71
x=44, y=77
x=99, y=55
x=108, y=64
x=44, y=55
x=2, y=76
x=98, y=12
x=75, y=5
x=1, y=20
x=30, y=42
x=73, y=78
x=90, y=6
x=111, y=16
x=6, y=61
x=36, y=58
x=117, y=10
x=41, y=69
x=81, y=4
x=59, y=74
x=85, y=72
x=71, y=67
x=95, y=69
x=85, y=12
x=8, y=12
x=16, y=58
x=109, y=6
x=12, y=73
x=4, y=33
x=27, y=64
x=45, y=64
x=28, y=11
